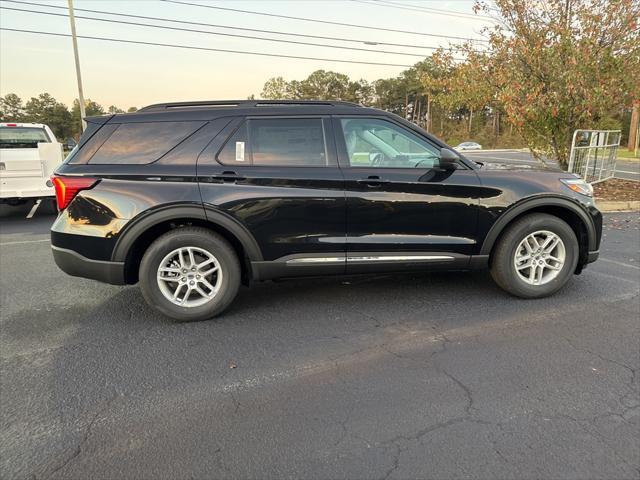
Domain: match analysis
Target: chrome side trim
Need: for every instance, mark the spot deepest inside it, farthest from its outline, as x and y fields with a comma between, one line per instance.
x=371, y=258
x=315, y=260
x=399, y=258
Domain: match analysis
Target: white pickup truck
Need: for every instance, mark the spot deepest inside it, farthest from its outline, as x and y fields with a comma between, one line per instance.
x=29, y=153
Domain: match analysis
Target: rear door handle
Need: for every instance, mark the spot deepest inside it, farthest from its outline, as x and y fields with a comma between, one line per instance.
x=228, y=177
x=373, y=181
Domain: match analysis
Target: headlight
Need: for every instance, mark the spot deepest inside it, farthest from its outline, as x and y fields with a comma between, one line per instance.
x=578, y=185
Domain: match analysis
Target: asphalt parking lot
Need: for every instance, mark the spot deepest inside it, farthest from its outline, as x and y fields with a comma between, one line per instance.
x=395, y=376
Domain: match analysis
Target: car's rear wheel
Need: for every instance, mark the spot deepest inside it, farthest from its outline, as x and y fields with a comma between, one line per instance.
x=189, y=274
x=535, y=256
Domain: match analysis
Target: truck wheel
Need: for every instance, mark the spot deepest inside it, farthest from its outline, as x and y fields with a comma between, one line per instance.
x=535, y=256
x=190, y=274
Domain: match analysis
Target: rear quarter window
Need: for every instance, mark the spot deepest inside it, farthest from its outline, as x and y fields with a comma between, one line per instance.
x=142, y=143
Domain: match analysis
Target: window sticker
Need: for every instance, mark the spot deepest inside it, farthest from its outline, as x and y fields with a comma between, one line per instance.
x=239, y=151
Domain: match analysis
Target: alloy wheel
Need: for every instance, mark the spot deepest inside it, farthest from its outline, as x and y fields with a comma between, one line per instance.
x=189, y=276
x=539, y=257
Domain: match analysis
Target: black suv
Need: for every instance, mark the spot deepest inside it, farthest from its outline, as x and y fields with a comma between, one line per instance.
x=192, y=199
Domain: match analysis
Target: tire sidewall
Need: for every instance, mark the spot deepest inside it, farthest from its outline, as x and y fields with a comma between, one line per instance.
x=177, y=239
x=519, y=233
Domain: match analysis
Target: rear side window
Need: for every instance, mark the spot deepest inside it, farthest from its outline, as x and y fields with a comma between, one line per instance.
x=235, y=151
x=296, y=142
x=142, y=143
x=22, y=137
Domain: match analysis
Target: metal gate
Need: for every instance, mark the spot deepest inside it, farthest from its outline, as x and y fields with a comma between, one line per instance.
x=594, y=154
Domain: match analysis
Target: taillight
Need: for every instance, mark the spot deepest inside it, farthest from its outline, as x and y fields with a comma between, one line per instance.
x=68, y=187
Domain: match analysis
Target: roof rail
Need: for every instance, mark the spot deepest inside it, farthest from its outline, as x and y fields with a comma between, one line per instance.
x=240, y=103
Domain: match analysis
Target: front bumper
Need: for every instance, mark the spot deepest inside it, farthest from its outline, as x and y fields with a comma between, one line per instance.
x=77, y=265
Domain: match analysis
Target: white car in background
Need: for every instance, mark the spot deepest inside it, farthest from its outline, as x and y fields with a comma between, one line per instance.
x=29, y=153
x=468, y=146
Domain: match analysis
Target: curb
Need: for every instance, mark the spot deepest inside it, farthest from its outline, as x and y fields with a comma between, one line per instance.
x=608, y=206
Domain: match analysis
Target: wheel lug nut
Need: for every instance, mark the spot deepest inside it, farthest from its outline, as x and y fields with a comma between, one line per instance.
x=192, y=282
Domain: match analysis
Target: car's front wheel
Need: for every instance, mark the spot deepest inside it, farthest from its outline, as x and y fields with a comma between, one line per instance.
x=190, y=273
x=535, y=256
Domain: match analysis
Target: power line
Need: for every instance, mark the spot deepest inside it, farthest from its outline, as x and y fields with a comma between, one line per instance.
x=193, y=47
x=419, y=8
x=123, y=22
x=304, y=19
x=275, y=32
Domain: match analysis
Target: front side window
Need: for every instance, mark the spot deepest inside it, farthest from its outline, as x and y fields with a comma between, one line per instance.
x=298, y=142
x=371, y=142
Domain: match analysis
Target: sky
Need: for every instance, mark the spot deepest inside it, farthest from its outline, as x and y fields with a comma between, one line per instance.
x=128, y=75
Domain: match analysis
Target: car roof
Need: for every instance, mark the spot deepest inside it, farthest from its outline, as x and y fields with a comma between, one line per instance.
x=209, y=109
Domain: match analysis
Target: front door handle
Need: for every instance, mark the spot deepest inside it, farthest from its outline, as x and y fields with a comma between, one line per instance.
x=228, y=177
x=373, y=181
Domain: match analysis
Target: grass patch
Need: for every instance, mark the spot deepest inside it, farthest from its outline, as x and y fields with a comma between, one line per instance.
x=625, y=154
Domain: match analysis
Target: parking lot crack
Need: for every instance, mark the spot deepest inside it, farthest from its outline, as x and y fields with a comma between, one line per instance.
x=395, y=463
x=467, y=391
x=631, y=370
x=236, y=402
x=85, y=436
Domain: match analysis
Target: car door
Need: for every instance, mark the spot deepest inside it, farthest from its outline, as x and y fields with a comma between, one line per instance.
x=403, y=209
x=279, y=177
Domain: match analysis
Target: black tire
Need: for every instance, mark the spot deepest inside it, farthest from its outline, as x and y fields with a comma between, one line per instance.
x=503, y=269
x=185, y=237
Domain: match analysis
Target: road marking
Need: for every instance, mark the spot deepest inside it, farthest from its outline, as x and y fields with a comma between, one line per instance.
x=627, y=171
x=24, y=241
x=34, y=208
x=620, y=263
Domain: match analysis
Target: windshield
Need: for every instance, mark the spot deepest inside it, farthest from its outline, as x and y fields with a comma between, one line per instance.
x=22, y=137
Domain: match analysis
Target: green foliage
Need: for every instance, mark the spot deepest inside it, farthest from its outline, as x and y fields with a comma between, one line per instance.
x=320, y=85
x=46, y=109
x=549, y=68
x=11, y=108
x=561, y=65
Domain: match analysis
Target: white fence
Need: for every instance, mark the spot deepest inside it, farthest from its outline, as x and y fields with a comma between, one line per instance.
x=594, y=154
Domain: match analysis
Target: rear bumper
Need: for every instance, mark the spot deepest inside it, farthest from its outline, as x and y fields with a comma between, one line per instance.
x=39, y=193
x=77, y=265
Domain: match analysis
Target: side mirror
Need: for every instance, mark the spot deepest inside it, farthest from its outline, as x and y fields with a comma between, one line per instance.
x=448, y=159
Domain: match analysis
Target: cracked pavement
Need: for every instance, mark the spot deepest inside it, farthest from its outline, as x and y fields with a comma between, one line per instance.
x=385, y=377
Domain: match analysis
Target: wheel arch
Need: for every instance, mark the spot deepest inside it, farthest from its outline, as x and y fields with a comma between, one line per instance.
x=141, y=232
x=568, y=210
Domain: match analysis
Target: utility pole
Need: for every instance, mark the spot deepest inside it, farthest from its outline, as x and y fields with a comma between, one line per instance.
x=72, y=20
